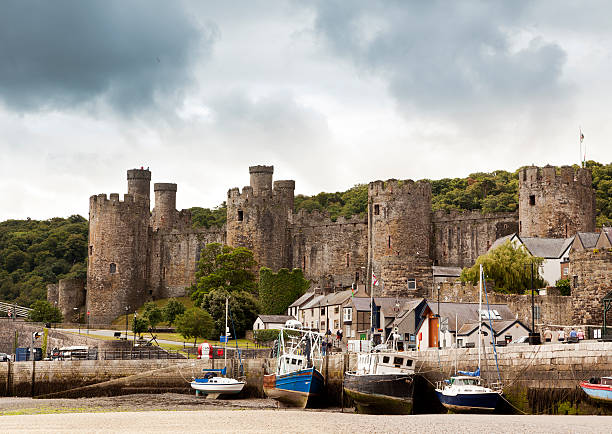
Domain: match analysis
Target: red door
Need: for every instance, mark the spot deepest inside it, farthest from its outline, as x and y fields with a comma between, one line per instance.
x=433, y=332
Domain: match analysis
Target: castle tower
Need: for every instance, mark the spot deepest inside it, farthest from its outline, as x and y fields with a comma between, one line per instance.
x=258, y=218
x=555, y=203
x=399, y=223
x=118, y=246
x=164, y=213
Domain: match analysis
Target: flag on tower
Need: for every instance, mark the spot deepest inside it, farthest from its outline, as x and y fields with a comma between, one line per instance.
x=581, y=137
x=374, y=280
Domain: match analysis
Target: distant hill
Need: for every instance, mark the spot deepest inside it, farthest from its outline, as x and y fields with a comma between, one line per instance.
x=35, y=253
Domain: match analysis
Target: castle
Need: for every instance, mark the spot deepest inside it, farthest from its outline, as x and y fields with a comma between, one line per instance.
x=136, y=255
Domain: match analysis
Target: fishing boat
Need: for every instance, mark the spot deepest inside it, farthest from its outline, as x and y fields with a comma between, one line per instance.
x=598, y=388
x=465, y=392
x=383, y=383
x=214, y=381
x=297, y=381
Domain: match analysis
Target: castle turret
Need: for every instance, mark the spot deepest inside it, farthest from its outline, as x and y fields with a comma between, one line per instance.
x=261, y=179
x=399, y=222
x=258, y=218
x=118, y=247
x=164, y=213
x=139, y=185
x=555, y=203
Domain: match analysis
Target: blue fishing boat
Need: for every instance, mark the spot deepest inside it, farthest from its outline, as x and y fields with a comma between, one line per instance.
x=598, y=388
x=297, y=381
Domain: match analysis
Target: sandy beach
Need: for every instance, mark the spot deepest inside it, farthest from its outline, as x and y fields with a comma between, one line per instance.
x=184, y=413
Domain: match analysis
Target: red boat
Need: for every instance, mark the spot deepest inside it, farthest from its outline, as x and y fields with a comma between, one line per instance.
x=598, y=388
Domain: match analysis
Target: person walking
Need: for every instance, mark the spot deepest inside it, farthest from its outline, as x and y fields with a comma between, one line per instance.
x=561, y=335
x=547, y=335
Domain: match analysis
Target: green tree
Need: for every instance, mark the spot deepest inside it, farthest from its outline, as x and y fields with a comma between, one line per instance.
x=564, y=286
x=267, y=335
x=152, y=313
x=172, y=309
x=508, y=266
x=244, y=308
x=278, y=290
x=140, y=325
x=226, y=268
x=194, y=323
x=206, y=217
x=43, y=311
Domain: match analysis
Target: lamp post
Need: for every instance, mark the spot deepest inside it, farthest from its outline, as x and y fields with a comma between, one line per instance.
x=78, y=317
x=439, y=316
x=534, y=338
x=127, y=308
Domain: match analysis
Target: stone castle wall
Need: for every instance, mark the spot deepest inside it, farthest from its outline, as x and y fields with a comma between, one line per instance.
x=591, y=279
x=555, y=205
x=332, y=251
x=399, y=224
x=555, y=310
x=461, y=237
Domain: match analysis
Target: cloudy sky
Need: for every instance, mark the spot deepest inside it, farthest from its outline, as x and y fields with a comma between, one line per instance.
x=332, y=93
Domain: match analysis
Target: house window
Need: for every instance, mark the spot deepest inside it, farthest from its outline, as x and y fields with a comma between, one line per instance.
x=322, y=311
x=532, y=200
x=459, y=343
x=347, y=331
x=347, y=314
x=240, y=215
x=575, y=282
x=335, y=324
x=357, y=276
x=536, y=312
x=113, y=268
x=337, y=309
x=91, y=250
x=376, y=209
x=411, y=283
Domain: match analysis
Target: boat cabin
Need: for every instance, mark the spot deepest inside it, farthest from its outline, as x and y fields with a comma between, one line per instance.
x=288, y=363
x=464, y=381
x=385, y=363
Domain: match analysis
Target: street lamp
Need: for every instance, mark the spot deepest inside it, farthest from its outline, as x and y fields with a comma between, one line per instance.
x=127, y=308
x=78, y=312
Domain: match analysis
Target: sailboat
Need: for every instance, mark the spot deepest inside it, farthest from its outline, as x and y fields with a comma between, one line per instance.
x=465, y=392
x=214, y=381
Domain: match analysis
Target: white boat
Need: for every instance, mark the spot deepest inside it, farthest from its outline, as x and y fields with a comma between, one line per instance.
x=212, y=384
x=466, y=392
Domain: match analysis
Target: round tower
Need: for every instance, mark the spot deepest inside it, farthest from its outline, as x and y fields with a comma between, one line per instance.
x=261, y=179
x=164, y=213
x=258, y=218
x=399, y=224
x=118, y=247
x=139, y=184
x=555, y=203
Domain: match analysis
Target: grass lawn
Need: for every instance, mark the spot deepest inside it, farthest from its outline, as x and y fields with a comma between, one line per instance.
x=119, y=322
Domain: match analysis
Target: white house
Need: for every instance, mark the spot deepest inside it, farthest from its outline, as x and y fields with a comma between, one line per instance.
x=265, y=322
x=555, y=251
x=294, y=308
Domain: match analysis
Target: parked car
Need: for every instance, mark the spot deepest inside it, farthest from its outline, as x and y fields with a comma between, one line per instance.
x=521, y=340
x=4, y=357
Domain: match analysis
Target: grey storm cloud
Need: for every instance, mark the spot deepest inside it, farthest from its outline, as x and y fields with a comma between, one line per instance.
x=128, y=54
x=444, y=55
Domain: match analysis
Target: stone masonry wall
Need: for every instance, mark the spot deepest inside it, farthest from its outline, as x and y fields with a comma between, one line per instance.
x=591, y=279
x=399, y=224
x=460, y=237
x=555, y=310
x=556, y=206
x=71, y=294
x=332, y=251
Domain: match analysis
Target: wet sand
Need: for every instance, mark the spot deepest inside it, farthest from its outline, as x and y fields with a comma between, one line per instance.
x=290, y=421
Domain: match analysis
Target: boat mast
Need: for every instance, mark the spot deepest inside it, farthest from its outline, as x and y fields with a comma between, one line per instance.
x=479, y=315
x=372, y=313
x=225, y=347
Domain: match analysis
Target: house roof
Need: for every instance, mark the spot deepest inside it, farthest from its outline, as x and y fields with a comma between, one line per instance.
x=335, y=298
x=588, y=239
x=607, y=232
x=275, y=318
x=314, y=301
x=468, y=312
x=546, y=247
x=498, y=242
x=388, y=305
x=446, y=271
x=302, y=299
x=362, y=303
x=498, y=326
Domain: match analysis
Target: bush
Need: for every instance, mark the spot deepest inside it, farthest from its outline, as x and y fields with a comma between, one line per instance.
x=140, y=325
x=43, y=311
x=173, y=309
x=267, y=335
x=564, y=286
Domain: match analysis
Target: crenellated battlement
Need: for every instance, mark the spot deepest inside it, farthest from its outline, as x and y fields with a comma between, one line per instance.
x=556, y=175
x=101, y=201
x=394, y=186
x=455, y=215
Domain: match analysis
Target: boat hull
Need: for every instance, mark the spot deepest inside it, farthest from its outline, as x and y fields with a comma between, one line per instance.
x=486, y=401
x=380, y=393
x=218, y=388
x=600, y=392
x=296, y=389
